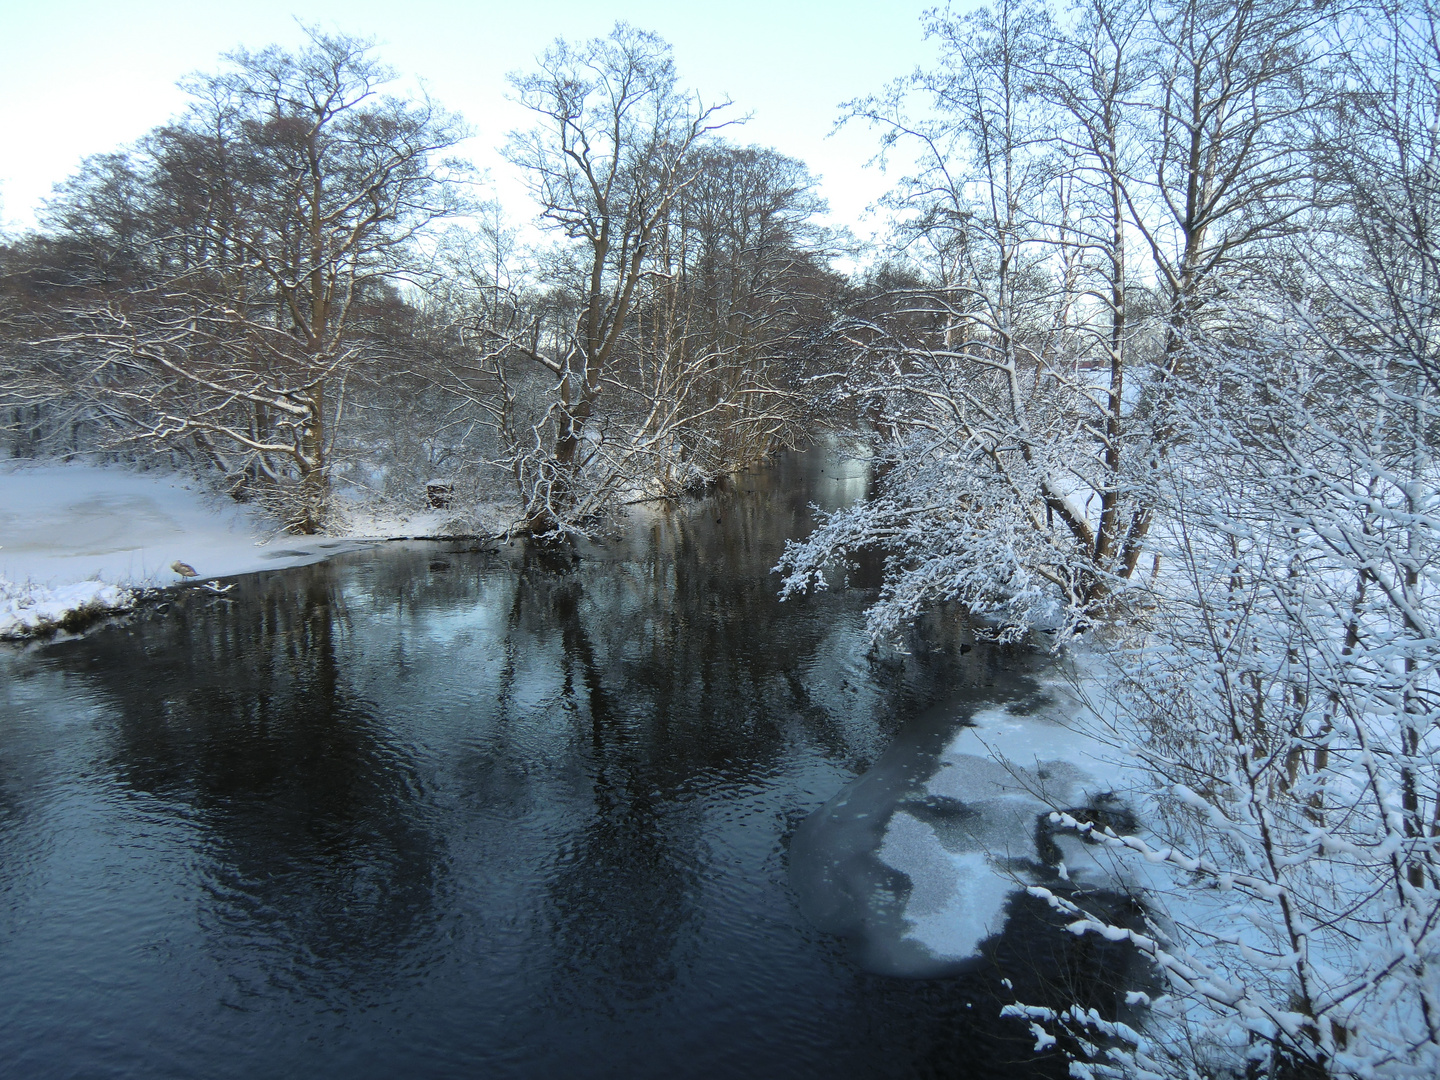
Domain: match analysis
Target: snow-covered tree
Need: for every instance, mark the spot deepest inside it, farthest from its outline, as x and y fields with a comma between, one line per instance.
x=1090, y=185
x=976, y=383
x=658, y=318
x=223, y=271
x=1284, y=700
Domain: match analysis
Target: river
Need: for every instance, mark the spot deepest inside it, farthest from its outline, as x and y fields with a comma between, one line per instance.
x=444, y=809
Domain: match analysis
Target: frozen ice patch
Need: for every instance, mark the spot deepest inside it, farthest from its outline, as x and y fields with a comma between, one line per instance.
x=1000, y=775
x=957, y=900
x=916, y=861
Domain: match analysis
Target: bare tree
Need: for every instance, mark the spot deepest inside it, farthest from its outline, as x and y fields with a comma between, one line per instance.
x=1284, y=701
x=983, y=401
x=738, y=270
x=606, y=162
x=1225, y=164
x=1093, y=71
x=249, y=234
x=1064, y=163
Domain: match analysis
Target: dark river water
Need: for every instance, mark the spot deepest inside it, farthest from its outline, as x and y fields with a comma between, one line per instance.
x=435, y=810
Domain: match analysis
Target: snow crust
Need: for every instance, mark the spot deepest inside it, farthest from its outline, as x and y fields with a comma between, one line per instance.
x=87, y=538
x=959, y=829
x=956, y=898
x=1006, y=770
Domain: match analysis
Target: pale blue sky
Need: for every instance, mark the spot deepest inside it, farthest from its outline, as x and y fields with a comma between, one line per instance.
x=81, y=77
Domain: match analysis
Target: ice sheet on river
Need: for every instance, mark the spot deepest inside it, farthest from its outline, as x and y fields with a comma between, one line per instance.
x=916, y=860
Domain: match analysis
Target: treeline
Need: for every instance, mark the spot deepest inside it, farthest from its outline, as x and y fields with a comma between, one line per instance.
x=293, y=288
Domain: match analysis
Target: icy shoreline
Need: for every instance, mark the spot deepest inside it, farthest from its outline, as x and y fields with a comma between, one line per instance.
x=1007, y=769
x=78, y=542
x=955, y=806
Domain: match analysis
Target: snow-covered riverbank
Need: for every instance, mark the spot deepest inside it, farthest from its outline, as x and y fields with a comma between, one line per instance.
x=78, y=539
x=961, y=818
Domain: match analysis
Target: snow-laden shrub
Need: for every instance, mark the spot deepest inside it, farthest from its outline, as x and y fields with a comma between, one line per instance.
x=29, y=610
x=1285, y=704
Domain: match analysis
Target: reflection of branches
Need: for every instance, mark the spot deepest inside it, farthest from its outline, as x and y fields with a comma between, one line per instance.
x=305, y=803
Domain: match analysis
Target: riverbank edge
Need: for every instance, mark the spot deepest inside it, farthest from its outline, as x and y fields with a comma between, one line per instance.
x=32, y=612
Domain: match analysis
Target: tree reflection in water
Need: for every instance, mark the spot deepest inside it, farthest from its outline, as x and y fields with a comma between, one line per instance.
x=319, y=872
x=443, y=810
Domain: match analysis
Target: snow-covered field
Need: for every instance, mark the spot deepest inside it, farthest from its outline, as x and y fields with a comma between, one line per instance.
x=76, y=538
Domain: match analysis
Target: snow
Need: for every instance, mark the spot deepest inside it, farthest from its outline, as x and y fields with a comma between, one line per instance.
x=29, y=609
x=1006, y=769
x=81, y=537
x=957, y=900
x=960, y=825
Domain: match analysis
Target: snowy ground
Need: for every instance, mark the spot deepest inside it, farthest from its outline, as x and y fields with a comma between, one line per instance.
x=80, y=537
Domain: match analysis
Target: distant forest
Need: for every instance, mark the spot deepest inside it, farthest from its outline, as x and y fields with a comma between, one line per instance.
x=292, y=288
